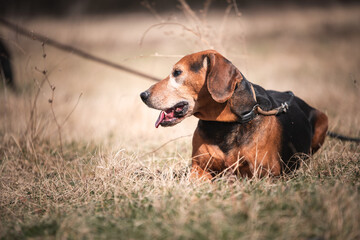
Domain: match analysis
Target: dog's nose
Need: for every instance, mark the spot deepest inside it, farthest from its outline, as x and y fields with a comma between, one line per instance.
x=144, y=96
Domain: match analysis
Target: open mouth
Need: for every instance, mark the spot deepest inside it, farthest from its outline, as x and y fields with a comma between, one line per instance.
x=171, y=116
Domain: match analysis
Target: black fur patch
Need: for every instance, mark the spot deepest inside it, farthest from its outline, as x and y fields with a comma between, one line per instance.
x=196, y=66
x=226, y=135
x=297, y=131
x=296, y=126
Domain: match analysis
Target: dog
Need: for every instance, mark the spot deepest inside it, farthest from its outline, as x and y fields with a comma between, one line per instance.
x=242, y=127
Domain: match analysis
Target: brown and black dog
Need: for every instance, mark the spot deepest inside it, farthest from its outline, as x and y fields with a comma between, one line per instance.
x=242, y=127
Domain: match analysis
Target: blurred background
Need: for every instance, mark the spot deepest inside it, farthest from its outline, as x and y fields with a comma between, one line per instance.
x=69, y=7
x=309, y=47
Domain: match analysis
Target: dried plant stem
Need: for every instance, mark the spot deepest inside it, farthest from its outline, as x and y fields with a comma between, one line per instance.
x=33, y=121
x=51, y=101
x=189, y=12
x=205, y=10
x=31, y=126
x=72, y=110
x=152, y=10
x=171, y=140
x=238, y=13
x=197, y=34
x=209, y=37
x=224, y=22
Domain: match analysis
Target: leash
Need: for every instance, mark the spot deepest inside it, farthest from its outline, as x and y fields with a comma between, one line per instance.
x=67, y=48
x=282, y=108
x=342, y=137
x=247, y=117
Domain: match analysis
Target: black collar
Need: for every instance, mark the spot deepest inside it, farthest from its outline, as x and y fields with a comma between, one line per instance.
x=248, y=116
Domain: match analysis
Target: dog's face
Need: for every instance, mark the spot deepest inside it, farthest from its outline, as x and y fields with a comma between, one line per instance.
x=195, y=82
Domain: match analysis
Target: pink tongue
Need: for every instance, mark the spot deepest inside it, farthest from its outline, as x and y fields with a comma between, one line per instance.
x=160, y=119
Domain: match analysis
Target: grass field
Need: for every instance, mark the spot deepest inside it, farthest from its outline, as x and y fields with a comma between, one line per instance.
x=102, y=180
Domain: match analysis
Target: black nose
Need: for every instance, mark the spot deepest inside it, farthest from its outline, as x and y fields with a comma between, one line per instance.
x=144, y=96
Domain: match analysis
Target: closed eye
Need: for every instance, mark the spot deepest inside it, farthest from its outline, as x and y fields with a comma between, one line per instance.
x=177, y=72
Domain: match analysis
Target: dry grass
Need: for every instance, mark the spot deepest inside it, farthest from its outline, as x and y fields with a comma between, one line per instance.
x=102, y=186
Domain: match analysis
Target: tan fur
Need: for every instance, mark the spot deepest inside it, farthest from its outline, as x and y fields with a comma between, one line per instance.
x=261, y=157
x=321, y=127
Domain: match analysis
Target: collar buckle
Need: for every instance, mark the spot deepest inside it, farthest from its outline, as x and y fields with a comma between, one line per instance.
x=247, y=117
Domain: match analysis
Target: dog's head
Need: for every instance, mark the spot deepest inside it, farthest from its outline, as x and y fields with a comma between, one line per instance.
x=200, y=84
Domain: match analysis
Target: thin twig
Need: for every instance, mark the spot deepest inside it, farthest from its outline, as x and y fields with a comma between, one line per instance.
x=165, y=55
x=224, y=22
x=72, y=110
x=238, y=13
x=205, y=11
x=201, y=26
x=197, y=34
x=171, y=140
x=51, y=100
x=189, y=12
x=237, y=163
x=146, y=4
x=32, y=119
x=208, y=36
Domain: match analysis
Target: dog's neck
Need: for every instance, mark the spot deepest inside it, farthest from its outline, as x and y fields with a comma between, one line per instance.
x=241, y=102
x=215, y=111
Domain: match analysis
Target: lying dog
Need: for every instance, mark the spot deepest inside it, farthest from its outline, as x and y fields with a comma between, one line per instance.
x=242, y=127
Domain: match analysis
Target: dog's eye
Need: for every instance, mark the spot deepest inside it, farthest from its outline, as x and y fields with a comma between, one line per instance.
x=177, y=72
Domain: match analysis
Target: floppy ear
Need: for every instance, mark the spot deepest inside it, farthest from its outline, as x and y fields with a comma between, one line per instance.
x=222, y=77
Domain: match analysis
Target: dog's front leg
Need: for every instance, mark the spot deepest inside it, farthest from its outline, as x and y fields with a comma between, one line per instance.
x=198, y=173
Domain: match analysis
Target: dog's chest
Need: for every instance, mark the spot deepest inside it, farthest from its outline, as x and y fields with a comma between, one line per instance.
x=242, y=147
x=227, y=136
